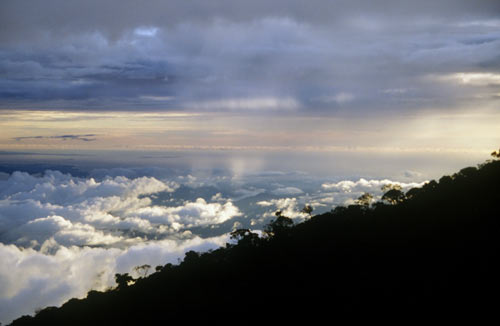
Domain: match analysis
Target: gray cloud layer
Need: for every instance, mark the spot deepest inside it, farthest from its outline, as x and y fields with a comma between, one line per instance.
x=322, y=56
x=116, y=16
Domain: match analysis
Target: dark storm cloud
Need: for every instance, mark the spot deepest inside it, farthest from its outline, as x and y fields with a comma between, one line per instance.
x=116, y=16
x=321, y=56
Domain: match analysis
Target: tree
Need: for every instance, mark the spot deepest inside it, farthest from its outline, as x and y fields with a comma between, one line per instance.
x=143, y=268
x=123, y=280
x=279, y=226
x=364, y=200
x=307, y=209
x=496, y=154
x=391, y=186
x=191, y=257
x=245, y=237
x=413, y=192
x=393, y=194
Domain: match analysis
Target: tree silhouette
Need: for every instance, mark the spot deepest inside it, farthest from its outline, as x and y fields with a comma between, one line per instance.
x=391, y=186
x=308, y=209
x=123, y=280
x=393, y=194
x=191, y=257
x=279, y=226
x=245, y=237
x=364, y=200
x=496, y=154
x=143, y=268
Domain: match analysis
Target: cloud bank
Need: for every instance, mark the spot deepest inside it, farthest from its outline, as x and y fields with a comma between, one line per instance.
x=61, y=236
x=57, y=208
x=247, y=57
x=30, y=279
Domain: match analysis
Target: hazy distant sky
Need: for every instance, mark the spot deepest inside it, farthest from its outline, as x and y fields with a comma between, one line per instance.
x=392, y=75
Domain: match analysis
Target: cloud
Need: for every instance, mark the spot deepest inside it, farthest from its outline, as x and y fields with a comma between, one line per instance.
x=58, y=188
x=339, y=98
x=329, y=196
x=64, y=232
x=87, y=137
x=243, y=193
x=288, y=207
x=412, y=174
x=345, y=192
x=70, y=272
x=73, y=211
x=142, y=19
x=253, y=57
x=58, y=209
x=62, y=236
x=283, y=191
x=472, y=78
x=364, y=185
x=191, y=214
x=268, y=103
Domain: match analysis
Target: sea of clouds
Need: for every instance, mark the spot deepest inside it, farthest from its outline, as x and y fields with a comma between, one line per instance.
x=61, y=236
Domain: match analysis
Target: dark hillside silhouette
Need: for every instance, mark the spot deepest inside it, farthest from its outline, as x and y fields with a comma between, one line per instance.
x=431, y=250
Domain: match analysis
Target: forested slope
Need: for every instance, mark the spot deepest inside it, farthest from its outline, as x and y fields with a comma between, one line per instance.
x=429, y=250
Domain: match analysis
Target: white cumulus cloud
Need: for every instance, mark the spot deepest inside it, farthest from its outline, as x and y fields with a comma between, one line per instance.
x=344, y=192
x=288, y=207
x=30, y=279
x=197, y=213
x=76, y=211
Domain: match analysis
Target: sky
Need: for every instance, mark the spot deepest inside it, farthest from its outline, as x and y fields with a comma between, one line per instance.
x=132, y=132
x=240, y=74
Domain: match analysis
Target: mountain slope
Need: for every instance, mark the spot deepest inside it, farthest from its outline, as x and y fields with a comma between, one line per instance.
x=432, y=251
